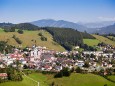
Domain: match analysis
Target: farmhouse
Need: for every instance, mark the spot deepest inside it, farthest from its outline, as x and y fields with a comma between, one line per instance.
x=3, y=75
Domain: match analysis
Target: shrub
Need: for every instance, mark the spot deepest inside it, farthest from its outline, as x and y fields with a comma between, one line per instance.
x=78, y=70
x=43, y=38
x=15, y=77
x=17, y=39
x=40, y=34
x=86, y=64
x=1, y=80
x=9, y=29
x=105, y=84
x=64, y=72
x=20, y=31
x=58, y=75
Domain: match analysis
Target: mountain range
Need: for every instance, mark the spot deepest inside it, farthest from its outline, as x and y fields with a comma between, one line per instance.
x=97, y=24
x=104, y=27
x=106, y=30
x=59, y=23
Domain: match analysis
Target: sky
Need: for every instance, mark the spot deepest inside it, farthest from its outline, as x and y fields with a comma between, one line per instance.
x=19, y=11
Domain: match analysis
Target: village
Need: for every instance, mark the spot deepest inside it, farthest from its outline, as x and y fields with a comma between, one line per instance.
x=43, y=59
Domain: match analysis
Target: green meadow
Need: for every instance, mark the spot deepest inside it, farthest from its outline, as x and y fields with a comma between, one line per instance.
x=91, y=42
x=74, y=80
x=112, y=77
x=105, y=40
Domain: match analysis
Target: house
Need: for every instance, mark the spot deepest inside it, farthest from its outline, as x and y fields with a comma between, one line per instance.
x=58, y=68
x=3, y=75
x=76, y=47
x=79, y=63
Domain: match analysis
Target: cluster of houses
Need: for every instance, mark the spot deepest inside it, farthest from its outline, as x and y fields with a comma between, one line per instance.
x=40, y=58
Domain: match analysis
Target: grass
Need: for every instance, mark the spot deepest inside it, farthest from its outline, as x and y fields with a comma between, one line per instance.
x=112, y=77
x=74, y=80
x=28, y=39
x=111, y=37
x=1, y=30
x=105, y=40
x=81, y=80
x=27, y=82
x=91, y=42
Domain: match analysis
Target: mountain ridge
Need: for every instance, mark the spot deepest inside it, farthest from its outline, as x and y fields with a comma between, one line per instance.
x=106, y=30
x=58, y=23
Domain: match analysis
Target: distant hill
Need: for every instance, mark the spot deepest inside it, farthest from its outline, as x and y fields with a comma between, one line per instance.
x=100, y=27
x=98, y=24
x=3, y=25
x=23, y=26
x=26, y=26
x=59, y=23
x=106, y=30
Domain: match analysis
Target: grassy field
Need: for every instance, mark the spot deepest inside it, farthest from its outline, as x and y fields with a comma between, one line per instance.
x=91, y=42
x=111, y=37
x=74, y=80
x=105, y=40
x=112, y=77
x=81, y=80
x=28, y=39
x=27, y=82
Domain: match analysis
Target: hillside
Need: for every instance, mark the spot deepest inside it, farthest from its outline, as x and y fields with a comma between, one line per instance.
x=66, y=37
x=105, y=40
x=82, y=80
x=73, y=80
x=28, y=39
x=26, y=26
x=27, y=82
x=2, y=25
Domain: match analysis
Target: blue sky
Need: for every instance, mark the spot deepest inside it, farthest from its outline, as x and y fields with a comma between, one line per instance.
x=16, y=11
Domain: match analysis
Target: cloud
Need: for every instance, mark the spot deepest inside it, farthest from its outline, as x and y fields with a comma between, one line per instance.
x=106, y=18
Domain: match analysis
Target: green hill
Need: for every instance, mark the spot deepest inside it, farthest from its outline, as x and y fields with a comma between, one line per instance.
x=105, y=40
x=112, y=77
x=82, y=80
x=27, y=82
x=74, y=80
x=66, y=37
x=28, y=38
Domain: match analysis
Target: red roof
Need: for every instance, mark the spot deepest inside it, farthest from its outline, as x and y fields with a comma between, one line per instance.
x=3, y=74
x=16, y=56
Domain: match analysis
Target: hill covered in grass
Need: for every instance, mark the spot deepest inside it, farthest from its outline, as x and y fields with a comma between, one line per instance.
x=105, y=40
x=28, y=82
x=81, y=80
x=30, y=38
x=73, y=80
x=66, y=37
